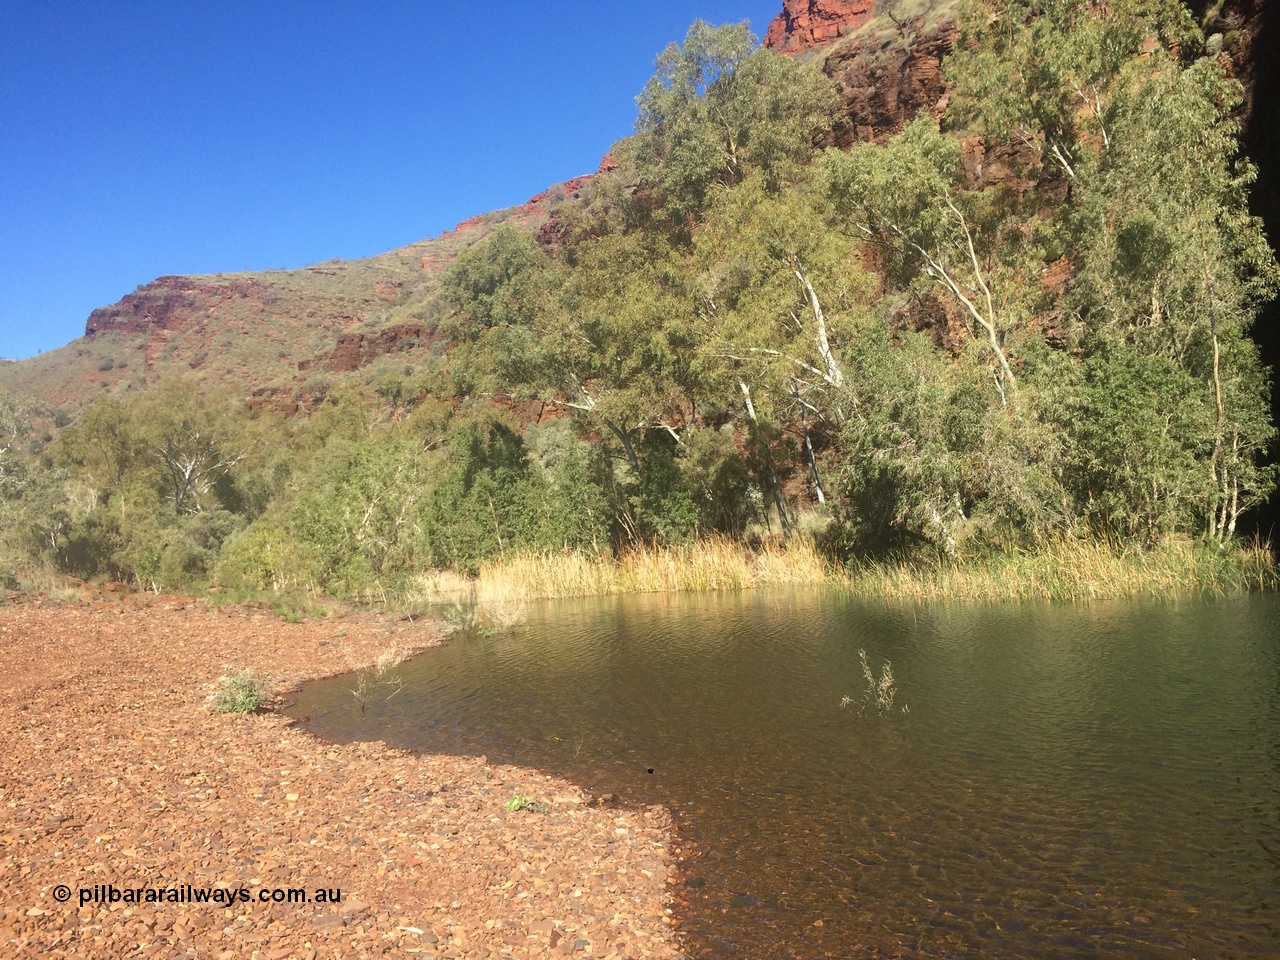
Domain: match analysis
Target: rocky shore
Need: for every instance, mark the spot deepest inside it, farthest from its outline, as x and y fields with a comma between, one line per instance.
x=118, y=780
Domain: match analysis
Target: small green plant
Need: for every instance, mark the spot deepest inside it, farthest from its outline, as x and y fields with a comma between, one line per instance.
x=881, y=691
x=519, y=802
x=241, y=693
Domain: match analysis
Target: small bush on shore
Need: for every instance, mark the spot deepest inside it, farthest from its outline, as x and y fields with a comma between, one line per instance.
x=519, y=803
x=241, y=693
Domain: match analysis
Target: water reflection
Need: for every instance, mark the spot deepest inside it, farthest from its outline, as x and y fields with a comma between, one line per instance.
x=1069, y=782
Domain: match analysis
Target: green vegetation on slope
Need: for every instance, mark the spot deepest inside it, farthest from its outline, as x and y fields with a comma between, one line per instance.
x=738, y=335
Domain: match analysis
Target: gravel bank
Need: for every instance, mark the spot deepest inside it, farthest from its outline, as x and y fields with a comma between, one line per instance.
x=115, y=773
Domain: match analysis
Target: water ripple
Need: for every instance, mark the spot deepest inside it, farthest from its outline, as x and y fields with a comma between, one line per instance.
x=1069, y=781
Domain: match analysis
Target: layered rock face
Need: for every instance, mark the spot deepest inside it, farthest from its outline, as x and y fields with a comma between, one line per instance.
x=167, y=302
x=804, y=24
x=355, y=349
x=884, y=84
x=884, y=87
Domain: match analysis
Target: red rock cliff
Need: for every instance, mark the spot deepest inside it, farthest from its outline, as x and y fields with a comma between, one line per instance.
x=883, y=84
x=804, y=24
x=167, y=303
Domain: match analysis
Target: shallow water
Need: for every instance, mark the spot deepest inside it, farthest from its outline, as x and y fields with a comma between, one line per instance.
x=1069, y=781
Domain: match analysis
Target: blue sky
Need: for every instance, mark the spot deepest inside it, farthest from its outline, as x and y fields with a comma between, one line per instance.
x=143, y=139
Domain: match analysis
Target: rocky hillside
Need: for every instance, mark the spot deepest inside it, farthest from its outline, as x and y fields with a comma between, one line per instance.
x=284, y=335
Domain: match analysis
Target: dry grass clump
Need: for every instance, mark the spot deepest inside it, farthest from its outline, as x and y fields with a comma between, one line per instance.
x=1055, y=570
x=1061, y=570
x=379, y=681
x=707, y=565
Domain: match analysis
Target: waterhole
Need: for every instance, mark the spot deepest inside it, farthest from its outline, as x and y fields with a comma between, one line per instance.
x=1066, y=781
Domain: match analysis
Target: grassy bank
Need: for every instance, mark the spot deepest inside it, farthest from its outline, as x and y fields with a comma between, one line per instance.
x=1060, y=570
x=1067, y=570
x=705, y=566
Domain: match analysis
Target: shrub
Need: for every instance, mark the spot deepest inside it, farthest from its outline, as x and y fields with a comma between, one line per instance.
x=241, y=693
x=264, y=557
x=519, y=803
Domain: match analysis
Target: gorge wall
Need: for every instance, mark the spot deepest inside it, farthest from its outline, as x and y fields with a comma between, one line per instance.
x=886, y=84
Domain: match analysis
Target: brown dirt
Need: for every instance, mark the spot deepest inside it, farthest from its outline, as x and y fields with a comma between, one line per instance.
x=115, y=770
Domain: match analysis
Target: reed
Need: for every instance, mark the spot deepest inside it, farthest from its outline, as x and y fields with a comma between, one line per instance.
x=707, y=565
x=1054, y=570
x=1072, y=570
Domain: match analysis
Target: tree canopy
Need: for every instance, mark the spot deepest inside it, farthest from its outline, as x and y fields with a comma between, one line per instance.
x=739, y=332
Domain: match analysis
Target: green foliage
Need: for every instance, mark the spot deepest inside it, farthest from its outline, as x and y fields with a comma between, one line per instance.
x=1173, y=265
x=487, y=282
x=19, y=469
x=241, y=693
x=718, y=482
x=577, y=480
x=1138, y=426
x=897, y=194
x=665, y=509
x=718, y=110
x=148, y=489
x=354, y=515
x=932, y=458
x=1043, y=74
x=724, y=322
x=521, y=803
x=487, y=501
x=264, y=557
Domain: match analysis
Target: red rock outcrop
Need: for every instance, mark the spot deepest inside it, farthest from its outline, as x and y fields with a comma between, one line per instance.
x=279, y=399
x=805, y=24
x=885, y=85
x=355, y=350
x=529, y=411
x=540, y=205
x=168, y=303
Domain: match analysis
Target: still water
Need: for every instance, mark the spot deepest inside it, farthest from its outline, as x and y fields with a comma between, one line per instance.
x=1069, y=781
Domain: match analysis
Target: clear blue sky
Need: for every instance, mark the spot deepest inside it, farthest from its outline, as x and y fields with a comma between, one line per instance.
x=143, y=139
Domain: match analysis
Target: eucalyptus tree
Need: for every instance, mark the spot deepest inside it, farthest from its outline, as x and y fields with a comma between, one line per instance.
x=17, y=421
x=196, y=441
x=1172, y=265
x=1168, y=267
x=979, y=252
x=909, y=199
x=779, y=294
x=1044, y=74
x=719, y=109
